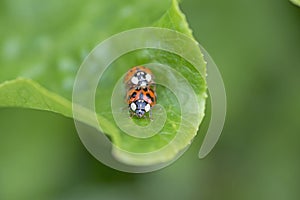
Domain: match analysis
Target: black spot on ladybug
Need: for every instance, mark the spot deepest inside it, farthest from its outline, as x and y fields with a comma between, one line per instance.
x=133, y=94
x=149, y=96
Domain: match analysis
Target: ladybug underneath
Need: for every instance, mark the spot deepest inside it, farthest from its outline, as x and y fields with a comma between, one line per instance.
x=140, y=101
x=139, y=77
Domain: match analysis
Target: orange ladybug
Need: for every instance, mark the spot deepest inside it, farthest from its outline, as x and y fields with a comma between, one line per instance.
x=140, y=101
x=139, y=77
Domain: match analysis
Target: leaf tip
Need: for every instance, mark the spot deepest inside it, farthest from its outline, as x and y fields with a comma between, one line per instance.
x=295, y=2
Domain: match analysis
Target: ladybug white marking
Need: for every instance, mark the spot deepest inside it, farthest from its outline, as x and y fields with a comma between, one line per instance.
x=143, y=84
x=147, y=107
x=135, y=80
x=148, y=77
x=133, y=106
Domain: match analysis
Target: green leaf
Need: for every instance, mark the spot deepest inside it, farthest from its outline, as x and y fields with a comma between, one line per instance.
x=47, y=63
x=296, y=2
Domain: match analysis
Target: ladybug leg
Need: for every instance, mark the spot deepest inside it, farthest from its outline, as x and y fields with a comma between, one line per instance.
x=150, y=115
x=153, y=86
x=130, y=114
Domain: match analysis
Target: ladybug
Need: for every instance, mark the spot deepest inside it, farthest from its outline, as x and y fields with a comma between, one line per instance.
x=139, y=77
x=140, y=101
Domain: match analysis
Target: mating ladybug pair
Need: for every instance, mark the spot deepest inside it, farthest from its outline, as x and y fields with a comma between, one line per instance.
x=141, y=96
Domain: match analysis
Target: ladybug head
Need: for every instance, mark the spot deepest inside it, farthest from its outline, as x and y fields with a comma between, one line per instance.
x=140, y=113
x=140, y=107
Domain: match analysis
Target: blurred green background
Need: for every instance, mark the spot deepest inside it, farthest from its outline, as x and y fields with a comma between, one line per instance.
x=256, y=45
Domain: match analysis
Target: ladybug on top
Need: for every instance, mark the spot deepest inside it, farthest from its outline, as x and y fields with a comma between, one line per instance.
x=141, y=96
x=139, y=77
